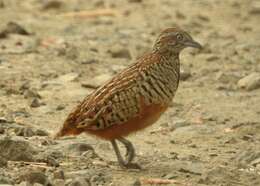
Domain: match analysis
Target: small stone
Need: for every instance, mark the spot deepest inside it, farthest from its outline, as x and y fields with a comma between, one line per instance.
x=134, y=1
x=227, y=78
x=170, y=176
x=24, y=183
x=40, y=132
x=2, y=5
x=86, y=173
x=247, y=157
x=58, y=182
x=255, y=162
x=52, y=162
x=38, y=184
x=203, y=18
x=35, y=103
x=52, y=4
x=96, y=81
x=89, y=61
x=68, y=77
x=137, y=182
x=250, y=82
x=79, y=182
x=2, y=130
x=59, y=174
x=255, y=7
x=118, y=51
x=3, y=120
x=97, y=179
x=180, y=123
x=60, y=107
x=5, y=180
x=212, y=57
x=180, y=15
x=15, y=149
x=192, y=168
x=14, y=28
x=28, y=93
x=79, y=148
x=24, y=131
x=184, y=74
x=35, y=177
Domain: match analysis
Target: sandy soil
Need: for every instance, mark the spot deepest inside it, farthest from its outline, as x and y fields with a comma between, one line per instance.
x=53, y=53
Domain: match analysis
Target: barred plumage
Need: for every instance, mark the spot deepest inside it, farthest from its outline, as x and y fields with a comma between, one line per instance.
x=134, y=98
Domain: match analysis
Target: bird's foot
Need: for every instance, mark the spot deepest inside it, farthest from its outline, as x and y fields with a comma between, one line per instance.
x=130, y=166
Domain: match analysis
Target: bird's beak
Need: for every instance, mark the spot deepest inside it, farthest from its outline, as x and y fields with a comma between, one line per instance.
x=193, y=44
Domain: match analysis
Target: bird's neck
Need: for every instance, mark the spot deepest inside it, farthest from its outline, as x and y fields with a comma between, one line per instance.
x=168, y=54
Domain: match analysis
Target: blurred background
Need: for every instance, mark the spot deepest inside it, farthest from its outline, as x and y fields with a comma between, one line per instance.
x=55, y=52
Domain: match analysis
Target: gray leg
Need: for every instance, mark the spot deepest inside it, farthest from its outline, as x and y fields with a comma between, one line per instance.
x=118, y=155
x=130, y=151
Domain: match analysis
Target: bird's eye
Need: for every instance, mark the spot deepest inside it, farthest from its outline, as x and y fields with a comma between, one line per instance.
x=179, y=37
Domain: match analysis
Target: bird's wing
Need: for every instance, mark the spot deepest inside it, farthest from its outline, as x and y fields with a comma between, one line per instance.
x=115, y=102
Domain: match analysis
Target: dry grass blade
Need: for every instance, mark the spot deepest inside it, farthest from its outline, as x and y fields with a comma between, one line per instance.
x=159, y=181
x=91, y=13
x=32, y=164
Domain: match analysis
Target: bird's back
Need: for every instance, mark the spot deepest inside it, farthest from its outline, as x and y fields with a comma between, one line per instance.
x=132, y=100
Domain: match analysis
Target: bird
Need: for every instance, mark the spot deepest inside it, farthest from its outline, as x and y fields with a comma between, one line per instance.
x=133, y=99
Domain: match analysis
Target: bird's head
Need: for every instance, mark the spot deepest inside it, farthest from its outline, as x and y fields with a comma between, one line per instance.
x=174, y=40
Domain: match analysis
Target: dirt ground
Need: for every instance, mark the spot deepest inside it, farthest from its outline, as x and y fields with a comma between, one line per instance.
x=53, y=53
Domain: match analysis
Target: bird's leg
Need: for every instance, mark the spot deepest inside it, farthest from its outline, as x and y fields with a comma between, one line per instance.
x=130, y=151
x=118, y=155
x=130, y=154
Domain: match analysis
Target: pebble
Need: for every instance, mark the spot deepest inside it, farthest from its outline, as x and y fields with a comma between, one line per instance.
x=255, y=162
x=60, y=107
x=35, y=177
x=58, y=182
x=180, y=123
x=15, y=149
x=13, y=28
x=68, y=77
x=86, y=173
x=255, y=7
x=3, y=120
x=52, y=161
x=171, y=176
x=28, y=93
x=118, y=51
x=4, y=180
x=89, y=61
x=247, y=157
x=2, y=130
x=78, y=148
x=59, y=174
x=250, y=82
x=226, y=78
x=40, y=132
x=97, y=179
x=36, y=103
x=96, y=81
x=79, y=182
x=192, y=168
x=184, y=74
x=24, y=131
x=135, y=1
x=2, y=5
x=51, y=4
x=29, y=132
